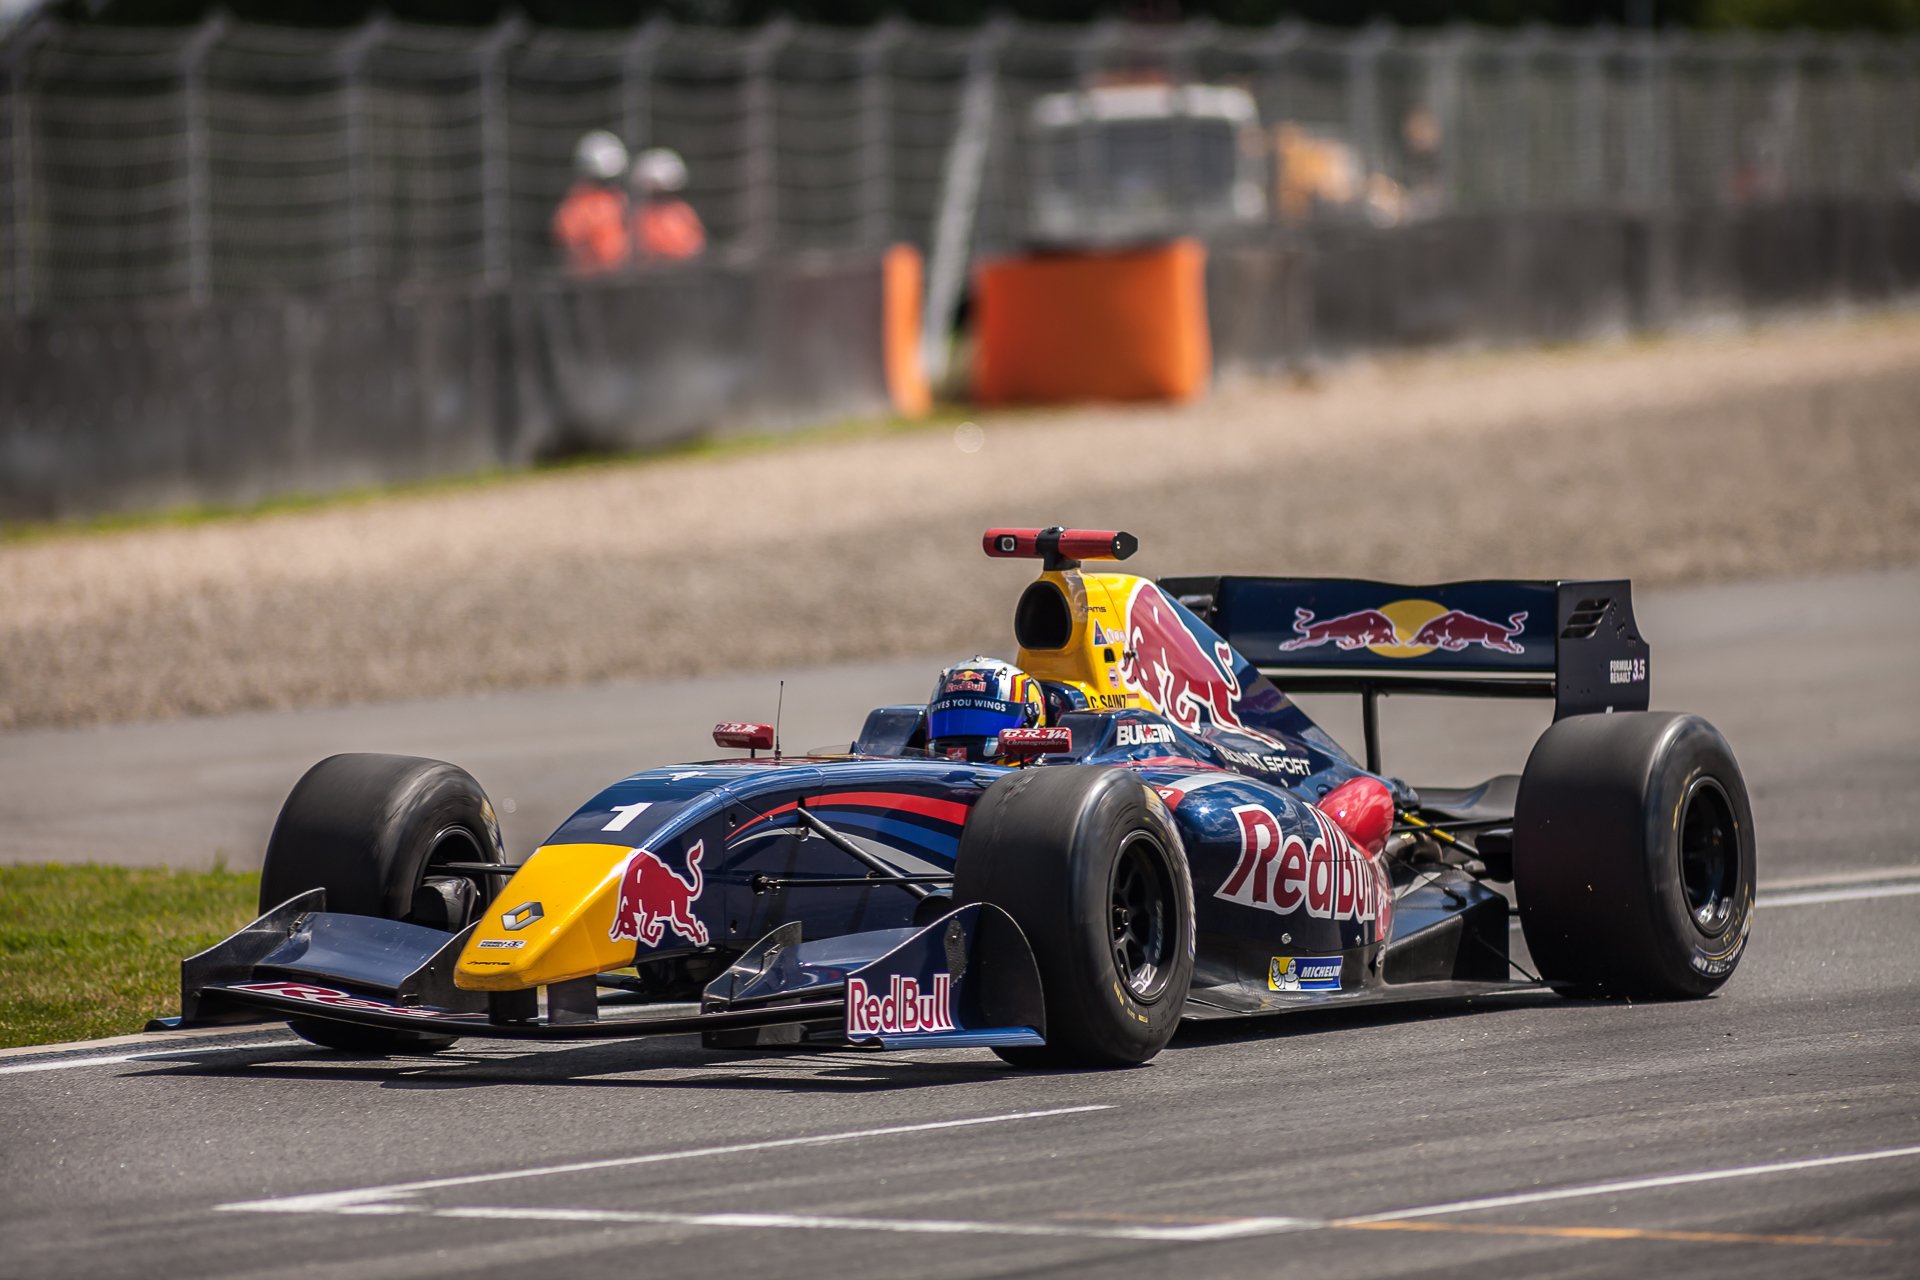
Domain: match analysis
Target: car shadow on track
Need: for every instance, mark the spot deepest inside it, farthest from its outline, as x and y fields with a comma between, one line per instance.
x=657, y=1064
x=1349, y=1018
x=678, y=1063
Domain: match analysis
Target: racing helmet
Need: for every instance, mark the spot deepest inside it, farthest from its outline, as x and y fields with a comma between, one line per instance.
x=974, y=701
x=600, y=156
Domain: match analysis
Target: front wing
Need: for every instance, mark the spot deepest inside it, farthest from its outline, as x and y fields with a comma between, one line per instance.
x=967, y=979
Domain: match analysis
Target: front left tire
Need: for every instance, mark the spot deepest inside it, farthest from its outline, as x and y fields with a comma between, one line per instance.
x=373, y=831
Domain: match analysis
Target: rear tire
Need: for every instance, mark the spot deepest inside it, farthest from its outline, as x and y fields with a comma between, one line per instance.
x=370, y=830
x=1633, y=856
x=1089, y=864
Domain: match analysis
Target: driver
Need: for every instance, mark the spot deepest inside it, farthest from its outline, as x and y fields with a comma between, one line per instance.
x=974, y=701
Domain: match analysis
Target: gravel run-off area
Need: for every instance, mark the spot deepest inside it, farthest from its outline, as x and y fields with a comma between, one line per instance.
x=1791, y=449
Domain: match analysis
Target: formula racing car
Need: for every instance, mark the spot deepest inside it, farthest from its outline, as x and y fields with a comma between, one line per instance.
x=1058, y=859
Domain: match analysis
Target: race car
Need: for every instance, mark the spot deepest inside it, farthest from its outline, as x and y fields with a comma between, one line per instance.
x=1058, y=859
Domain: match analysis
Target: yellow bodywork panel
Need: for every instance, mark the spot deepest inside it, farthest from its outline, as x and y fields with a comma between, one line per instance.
x=575, y=888
x=1091, y=660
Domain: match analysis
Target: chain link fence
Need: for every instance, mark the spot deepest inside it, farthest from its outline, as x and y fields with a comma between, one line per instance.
x=231, y=160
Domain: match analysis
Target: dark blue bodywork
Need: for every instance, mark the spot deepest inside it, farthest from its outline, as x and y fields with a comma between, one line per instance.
x=1233, y=793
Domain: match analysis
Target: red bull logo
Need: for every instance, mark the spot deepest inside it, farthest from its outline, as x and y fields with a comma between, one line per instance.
x=653, y=899
x=904, y=1010
x=1348, y=631
x=1172, y=670
x=335, y=999
x=1406, y=629
x=1280, y=872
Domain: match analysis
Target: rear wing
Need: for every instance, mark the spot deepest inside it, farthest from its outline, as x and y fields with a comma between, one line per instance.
x=1573, y=642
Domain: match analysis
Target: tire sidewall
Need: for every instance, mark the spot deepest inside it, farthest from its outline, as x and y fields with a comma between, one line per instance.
x=1700, y=962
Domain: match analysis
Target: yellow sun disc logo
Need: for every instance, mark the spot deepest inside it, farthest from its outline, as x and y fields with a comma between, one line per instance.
x=1408, y=616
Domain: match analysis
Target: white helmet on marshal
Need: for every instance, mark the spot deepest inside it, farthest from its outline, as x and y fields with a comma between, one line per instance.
x=599, y=155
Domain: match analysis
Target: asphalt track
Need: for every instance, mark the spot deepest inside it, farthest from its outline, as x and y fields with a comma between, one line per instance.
x=1772, y=1130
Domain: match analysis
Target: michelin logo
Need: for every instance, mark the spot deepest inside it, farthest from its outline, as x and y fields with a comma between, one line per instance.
x=1297, y=973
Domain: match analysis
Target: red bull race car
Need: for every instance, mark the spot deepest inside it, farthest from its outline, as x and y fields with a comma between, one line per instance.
x=1057, y=859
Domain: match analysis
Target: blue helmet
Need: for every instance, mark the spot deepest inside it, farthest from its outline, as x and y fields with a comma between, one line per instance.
x=974, y=701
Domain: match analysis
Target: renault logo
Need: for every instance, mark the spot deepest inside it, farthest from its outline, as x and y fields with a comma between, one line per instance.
x=522, y=916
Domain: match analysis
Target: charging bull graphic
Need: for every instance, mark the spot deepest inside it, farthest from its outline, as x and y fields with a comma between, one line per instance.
x=654, y=899
x=1454, y=631
x=1167, y=662
x=1348, y=631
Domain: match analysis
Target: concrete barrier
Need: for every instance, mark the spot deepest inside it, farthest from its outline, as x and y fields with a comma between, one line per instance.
x=146, y=407
x=1553, y=276
x=160, y=405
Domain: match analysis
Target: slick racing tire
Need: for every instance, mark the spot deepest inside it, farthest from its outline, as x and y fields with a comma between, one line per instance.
x=1633, y=856
x=372, y=830
x=1087, y=861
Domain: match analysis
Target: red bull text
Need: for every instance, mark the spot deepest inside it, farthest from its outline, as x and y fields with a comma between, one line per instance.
x=653, y=899
x=1329, y=878
x=334, y=999
x=904, y=1010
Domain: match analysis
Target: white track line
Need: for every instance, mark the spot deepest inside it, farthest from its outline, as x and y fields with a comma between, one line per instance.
x=1808, y=897
x=1631, y=1184
x=1191, y=1233
x=61, y=1064
x=1834, y=879
x=336, y=1201
x=1199, y=1231
x=1813, y=897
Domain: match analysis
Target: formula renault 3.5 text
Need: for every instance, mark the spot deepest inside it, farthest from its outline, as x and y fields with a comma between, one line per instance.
x=1178, y=840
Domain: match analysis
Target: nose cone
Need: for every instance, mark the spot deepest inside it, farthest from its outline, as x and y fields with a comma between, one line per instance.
x=550, y=924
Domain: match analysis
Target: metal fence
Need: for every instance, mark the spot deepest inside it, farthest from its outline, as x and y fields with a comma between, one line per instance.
x=229, y=160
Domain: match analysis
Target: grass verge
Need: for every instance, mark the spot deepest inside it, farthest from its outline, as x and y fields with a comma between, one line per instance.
x=93, y=951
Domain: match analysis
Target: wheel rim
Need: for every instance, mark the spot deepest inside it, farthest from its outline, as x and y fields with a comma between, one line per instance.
x=1140, y=913
x=1709, y=856
x=457, y=844
x=453, y=844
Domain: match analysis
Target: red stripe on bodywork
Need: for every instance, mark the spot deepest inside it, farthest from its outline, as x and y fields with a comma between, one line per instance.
x=950, y=811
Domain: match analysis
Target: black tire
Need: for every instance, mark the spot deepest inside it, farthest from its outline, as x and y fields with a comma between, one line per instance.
x=1062, y=849
x=1633, y=856
x=370, y=829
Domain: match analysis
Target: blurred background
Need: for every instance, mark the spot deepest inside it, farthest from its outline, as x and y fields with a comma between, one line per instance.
x=1410, y=290
x=434, y=237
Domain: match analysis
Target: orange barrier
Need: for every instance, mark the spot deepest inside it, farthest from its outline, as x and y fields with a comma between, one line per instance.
x=906, y=374
x=1129, y=325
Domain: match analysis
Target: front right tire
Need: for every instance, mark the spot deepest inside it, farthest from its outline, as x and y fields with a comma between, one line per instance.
x=1089, y=863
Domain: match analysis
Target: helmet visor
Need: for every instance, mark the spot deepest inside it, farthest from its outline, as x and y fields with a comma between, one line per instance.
x=983, y=720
